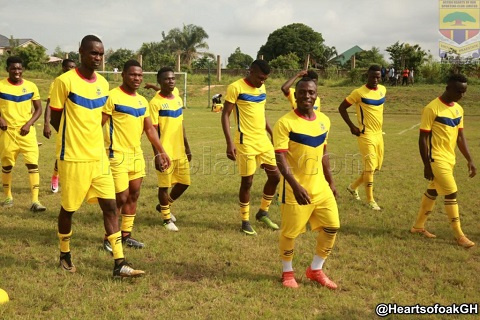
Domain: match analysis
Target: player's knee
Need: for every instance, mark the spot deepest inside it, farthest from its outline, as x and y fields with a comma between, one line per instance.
x=7, y=169
x=246, y=182
x=274, y=178
x=451, y=196
x=133, y=196
x=432, y=192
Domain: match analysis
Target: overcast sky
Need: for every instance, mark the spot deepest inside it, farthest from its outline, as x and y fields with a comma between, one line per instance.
x=229, y=23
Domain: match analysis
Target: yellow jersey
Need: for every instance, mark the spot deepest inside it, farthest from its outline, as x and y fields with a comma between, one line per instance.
x=80, y=135
x=369, y=103
x=303, y=140
x=442, y=121
x=16, y=102
x=124, y=126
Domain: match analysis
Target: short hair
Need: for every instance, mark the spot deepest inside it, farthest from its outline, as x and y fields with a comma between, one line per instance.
x=131, y=63
x=457, y=77
x=65, y=62
x=374, y=68
x=304, y=79
x=14, y=59
x=163, y=70
x=312, y=74
x=89, y=38
x=262, y=65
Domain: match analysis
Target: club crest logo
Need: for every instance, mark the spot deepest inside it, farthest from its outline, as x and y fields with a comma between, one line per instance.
x=322, y=126
x=99, y=91
x=459, y=27
x=24, y=90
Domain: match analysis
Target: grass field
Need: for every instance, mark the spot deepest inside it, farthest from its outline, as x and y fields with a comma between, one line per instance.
x=209, y=270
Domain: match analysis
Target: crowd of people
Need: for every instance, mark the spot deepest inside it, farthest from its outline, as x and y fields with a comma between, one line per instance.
x=396, y=77
x=108, y=168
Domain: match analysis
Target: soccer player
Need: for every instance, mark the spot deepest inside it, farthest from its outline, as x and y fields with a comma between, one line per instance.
x=441, y=129
x=252, y=146
x=290, y=93
x=67, y=64
x=166, y=110
x=307, y=189
x=369, y=100
x=127, y=117
x=18, y=134
x=76, y=101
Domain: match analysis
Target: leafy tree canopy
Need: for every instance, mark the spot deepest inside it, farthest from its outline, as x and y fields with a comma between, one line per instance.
x=155, y=55
x=289, y=61
x=239, y=60
x=406, y=55
x=117, y=59
x=33, y=56
x=366, y=58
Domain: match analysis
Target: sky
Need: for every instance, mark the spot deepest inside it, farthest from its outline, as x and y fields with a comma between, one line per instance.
x=229, y=23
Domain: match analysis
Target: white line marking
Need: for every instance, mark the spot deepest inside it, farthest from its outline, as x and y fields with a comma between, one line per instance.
x=411, y=128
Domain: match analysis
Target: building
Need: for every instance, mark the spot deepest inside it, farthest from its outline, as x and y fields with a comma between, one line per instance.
x=5, y=45
x=344, y=58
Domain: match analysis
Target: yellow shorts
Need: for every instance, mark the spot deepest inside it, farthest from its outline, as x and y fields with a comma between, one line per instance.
x=443, y=180
x=12, y=143
x=371, y=149
x=179, y=172
x=323, y=213
x=125, y=168
x=249, y=158
x=84, y=180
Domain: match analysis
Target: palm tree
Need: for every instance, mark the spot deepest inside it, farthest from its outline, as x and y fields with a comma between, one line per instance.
x=186, y=42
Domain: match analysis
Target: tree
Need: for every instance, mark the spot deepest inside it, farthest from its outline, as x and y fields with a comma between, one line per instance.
x=328, y=54
x=288, y=61
x=187, y=42
x=406, y=55
x=295, y=38
x=239, y=60
x=204, y=63
x=155, y=55
x=366, y=58
x=118, y=58
x=33, y=56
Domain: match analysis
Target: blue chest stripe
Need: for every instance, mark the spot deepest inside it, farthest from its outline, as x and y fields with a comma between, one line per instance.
x=308, y=140
x=131, y=111
x=374, y=102
x=87, y=103
x=448, y=121
x=252, y=98
x=170, y=113
x=13, y=98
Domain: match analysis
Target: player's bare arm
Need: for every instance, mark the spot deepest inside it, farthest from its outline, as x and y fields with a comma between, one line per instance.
x=423, y=148
x=152, y=136
x=327, y=172
x=37, y=106
x=187, y=146
x=286, y=86
x=152, y=86
x=463, y=147
x=268, y=128
x=227, y=110
x=301, y=195
x=343, y=112
x=47, y=132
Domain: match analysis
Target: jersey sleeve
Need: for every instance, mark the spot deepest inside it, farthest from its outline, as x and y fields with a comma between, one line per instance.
x=109, y=105
x=428, y=117
x=281, y=137
x=59, y=94
x=460, y=125
x=152, y=110
x=291, y=98
x=328, y=125
x=232, y=94
x=50, y=90
x=147, y=109
x=36, y=94
x=354, y=97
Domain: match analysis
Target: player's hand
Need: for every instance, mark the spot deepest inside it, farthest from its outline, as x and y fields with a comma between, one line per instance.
x=231, y=152
x=164, y=161
x=25, y=130
x=47, y=132
x=3, y=124
x=427, y=172
x=189, y=154
x=301, y=195
x=148, y=86
x=302, y=73
x=472, y=170
x=355, y=131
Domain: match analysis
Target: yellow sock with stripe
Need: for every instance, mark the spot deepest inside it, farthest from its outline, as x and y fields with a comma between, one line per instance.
x=286, y=246
x=170, y=201
x=64, y=241
x=115, y=240
x=165, y=211
x=34, y=178
x=266, y=201
x=426, y=208
x=357, y=182
x=7, y=182
x=325, y=241
x=451, y=207
x=368, y=179
x=245, y=211
x=127, y=223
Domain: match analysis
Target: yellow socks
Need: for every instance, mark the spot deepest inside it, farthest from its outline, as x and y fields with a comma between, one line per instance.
x=7, y=182
x=286, y=246
x=325, y=241
x=64, y=241
x=34, y=177
x=165, y=211
x=127, y=223
x=426, y=207
x=266, y=201
x=115, y=240
x=245, y=211
x=368, y=179
x=451, y=207
x=357, y=182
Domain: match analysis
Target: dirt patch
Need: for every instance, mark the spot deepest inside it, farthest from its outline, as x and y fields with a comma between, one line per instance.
x=212, y=86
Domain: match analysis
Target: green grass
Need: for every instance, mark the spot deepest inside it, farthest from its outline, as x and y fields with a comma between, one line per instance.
x=209, y=270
